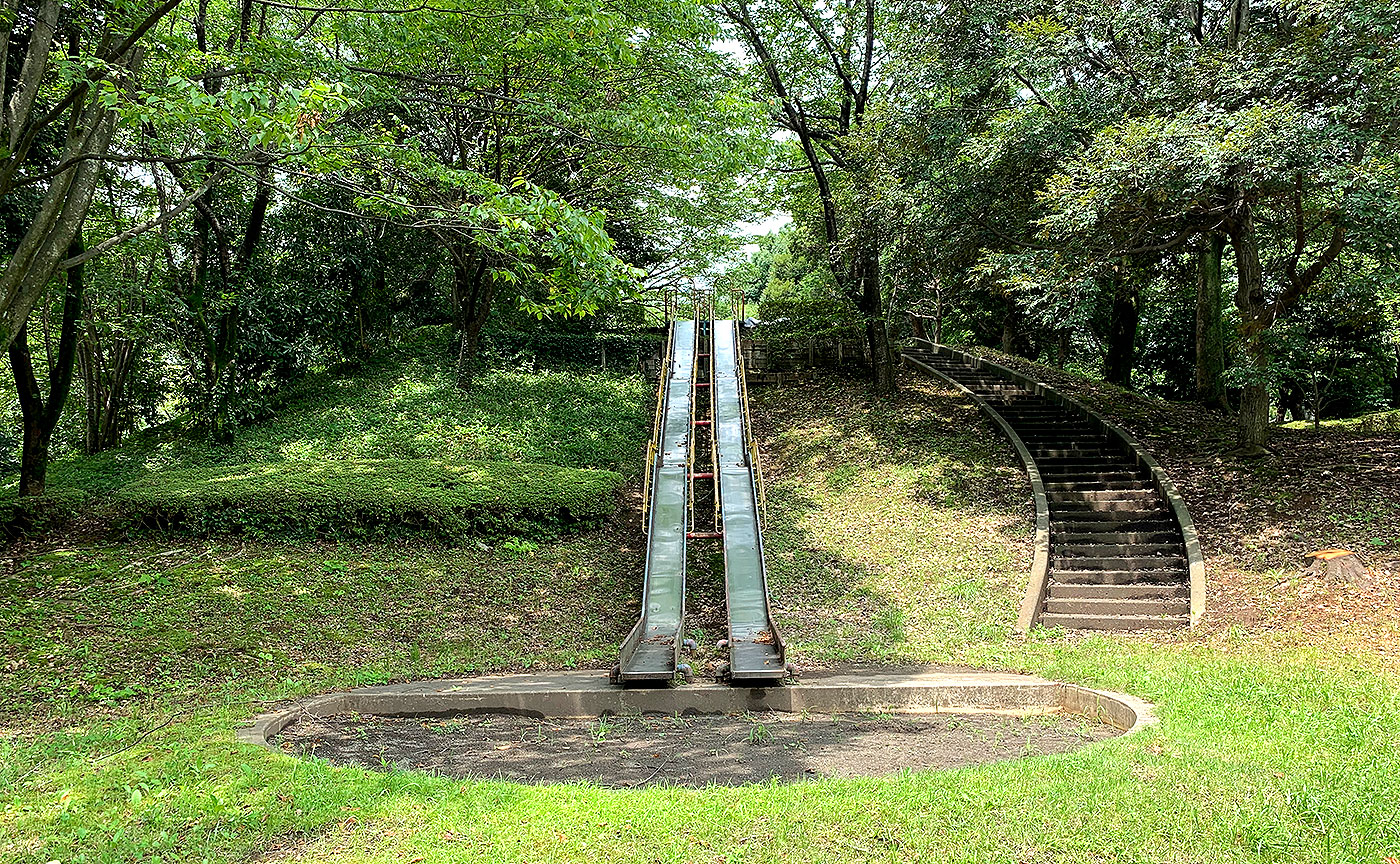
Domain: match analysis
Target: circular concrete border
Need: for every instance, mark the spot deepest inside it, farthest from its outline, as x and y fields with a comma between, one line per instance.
x=589, y=694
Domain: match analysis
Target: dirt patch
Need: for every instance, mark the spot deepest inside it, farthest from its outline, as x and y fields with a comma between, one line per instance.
x=652, y=750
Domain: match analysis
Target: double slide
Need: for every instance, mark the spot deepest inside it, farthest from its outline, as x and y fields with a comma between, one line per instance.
x=702, y=412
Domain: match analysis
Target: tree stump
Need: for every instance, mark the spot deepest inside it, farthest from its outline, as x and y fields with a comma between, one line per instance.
x=1338, y=565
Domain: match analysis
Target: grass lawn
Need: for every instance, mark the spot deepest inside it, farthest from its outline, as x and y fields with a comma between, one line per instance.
x=408, y=411
x=898, y=532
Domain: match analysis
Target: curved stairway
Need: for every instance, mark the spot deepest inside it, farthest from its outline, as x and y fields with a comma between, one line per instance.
x=1118, y=551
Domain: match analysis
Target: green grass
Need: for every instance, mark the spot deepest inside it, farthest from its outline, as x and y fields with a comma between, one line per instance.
x=114, y=626
x=574, y=419
x=1276, y=744
x=1379, y=421
x=857, y=500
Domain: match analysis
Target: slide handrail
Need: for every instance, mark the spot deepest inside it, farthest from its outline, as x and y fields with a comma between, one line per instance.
x=653, y=445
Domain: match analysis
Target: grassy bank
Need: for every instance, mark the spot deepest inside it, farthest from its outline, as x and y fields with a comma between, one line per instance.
x=385, y=428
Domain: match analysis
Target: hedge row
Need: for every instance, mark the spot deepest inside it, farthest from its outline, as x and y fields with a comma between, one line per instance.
x=370, y=498
x=37, y=514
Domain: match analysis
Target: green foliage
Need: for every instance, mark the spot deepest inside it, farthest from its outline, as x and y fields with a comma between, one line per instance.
x=795, y=318
x=37, y=514
x=1046, y=148
x=358, y=498
x=798, y=300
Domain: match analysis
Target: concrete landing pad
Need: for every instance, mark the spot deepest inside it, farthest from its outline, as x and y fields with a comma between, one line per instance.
x=589, y=694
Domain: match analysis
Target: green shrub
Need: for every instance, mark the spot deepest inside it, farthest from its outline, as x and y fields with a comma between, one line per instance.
x=36, y=514
x=370, y=498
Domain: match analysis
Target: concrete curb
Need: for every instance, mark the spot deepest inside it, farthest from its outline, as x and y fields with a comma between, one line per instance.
x=589, y=694
x=1195, y=560
x=1040, y=566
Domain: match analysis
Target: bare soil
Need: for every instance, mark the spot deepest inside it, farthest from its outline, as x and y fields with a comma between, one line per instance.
x=700, y=750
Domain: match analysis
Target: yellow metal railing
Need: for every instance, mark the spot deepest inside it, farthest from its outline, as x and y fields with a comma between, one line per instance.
x=754, y=461
x=717, y=517
x=690, y=436
x=656, y=430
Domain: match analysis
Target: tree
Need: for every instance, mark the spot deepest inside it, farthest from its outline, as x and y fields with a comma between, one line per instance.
x=1271, y=128
x=821, y=63
x=582, y=128
x=63, y=90
x=41, y=413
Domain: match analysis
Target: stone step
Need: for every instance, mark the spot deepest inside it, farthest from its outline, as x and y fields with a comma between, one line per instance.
x=1054, y=434
x=1118, y=564
x=1125, y=591
x=1019, y=419
x=1087, y=462
x=1075, y=538
x=1065, y=503
x=1106, y=471
x=1112, y=622
x=1117, y=606
x=1171, y=575
x=1084, y=512
x=1092, y=497
x=1120, y=483
x=1098, y=530
x=1117, y=556
x=1118, y=551
x=1048, y=450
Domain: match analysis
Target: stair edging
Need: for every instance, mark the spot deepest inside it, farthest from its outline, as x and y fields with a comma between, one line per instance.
x=1195, y=560
x=1039, y=577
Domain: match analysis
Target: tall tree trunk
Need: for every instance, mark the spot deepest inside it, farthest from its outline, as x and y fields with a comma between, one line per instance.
x=1290, y=402
x=39, y=253
x=1008, y=328
x=876, y=333
x=40, y=415
x=1254, y=412
x=859, y=277
x=881, y=354
x=220, y=270
x=916, y=326
x=1395, y=381
x=472, y=293
x=1257, y=315
x=1122, y=327
x=1210, y=328
x=105, y=370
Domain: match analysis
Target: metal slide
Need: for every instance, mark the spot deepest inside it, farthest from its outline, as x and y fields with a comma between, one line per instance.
x=651, y=651
x=755, y=646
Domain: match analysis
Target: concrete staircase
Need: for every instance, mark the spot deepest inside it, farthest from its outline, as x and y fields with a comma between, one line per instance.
x=1117, y=553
